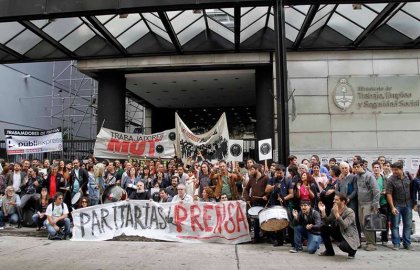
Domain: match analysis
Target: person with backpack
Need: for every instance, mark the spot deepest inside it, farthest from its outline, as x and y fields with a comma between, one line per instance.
x=57, y=218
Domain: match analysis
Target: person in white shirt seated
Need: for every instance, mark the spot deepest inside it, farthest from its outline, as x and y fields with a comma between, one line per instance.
x=182, y=196
x=57, y=217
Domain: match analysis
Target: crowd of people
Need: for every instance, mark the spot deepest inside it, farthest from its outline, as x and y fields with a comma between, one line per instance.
x=322, y=201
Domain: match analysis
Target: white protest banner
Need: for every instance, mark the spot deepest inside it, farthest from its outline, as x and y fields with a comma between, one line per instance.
x=236, y=152
x=223, y=222
x=113, y=144
x=213, y=145
x=33, y=141
x=265, y=149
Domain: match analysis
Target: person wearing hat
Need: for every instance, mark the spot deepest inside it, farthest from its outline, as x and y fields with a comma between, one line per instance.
x=307, y=224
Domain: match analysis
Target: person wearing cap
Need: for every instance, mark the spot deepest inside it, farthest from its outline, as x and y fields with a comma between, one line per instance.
x=307, y=224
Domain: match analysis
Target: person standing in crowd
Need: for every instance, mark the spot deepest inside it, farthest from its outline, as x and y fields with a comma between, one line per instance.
x=183, y=177
x=383, y=204
x=341, y=226
x=172, y=189
x=387, y=172
x=280, y=190
x=9, y=208
x=16, y=178
x=3, y=180
x=306, y=188
x=307, y=224
x=93, y=185
x=57, y=217
x=401, y=204
x=182, y=196
x=111, y=175
x=255, y=194
x=99, y=172
x=54, y=181
x=164, y=175
x=416, y=190
x=207, y=195
x=225, y=181
x=129, y=182
x=327, y=194
x=79, y=179
x=368, y=198
x=204, y=179
x=320, y=178
x=40, y=209
x=292, y=162
x=31, y=188
x=322, y=170
x=347, y=185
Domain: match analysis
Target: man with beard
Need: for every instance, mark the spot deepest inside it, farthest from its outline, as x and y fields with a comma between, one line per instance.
x=225, y=182
x=281, y=190
x=79, y=179
x=16, y=178
x=255, y=195
x=171, y=190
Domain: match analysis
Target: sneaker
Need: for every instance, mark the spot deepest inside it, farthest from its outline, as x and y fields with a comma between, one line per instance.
x=396, y=247
x=350, y=257
x=294, y=250
x=370, y=248
x=325, y=253
x=409, y=248
x=1, y=228
x=384, y=243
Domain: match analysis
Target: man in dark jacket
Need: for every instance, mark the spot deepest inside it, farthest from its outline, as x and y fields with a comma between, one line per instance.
x=79, y=179
x=307, y=224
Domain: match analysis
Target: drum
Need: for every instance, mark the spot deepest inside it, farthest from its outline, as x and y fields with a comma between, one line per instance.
x=273, y=219
x=253, y=211
x=113, y=194
x=76, y=198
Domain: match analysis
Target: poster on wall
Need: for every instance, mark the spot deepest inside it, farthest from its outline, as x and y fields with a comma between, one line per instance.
x=33, y=141
x=236, y=148
x=212, y=145
x=114, y=144
x=414, y=163
x=265, y=149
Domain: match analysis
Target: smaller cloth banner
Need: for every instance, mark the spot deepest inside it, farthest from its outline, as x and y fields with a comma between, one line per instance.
x=33, y=141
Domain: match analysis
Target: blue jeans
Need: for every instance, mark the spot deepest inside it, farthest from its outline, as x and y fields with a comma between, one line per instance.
x=13, y=218
x=38, y=221
x=314, y=240
x=64, y=222
x=407, y=215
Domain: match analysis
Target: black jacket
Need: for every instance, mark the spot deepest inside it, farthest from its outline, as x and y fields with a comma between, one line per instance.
x=83, y=179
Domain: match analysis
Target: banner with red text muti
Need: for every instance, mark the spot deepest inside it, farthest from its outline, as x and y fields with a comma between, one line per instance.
x=114, y=144
x=223, y=222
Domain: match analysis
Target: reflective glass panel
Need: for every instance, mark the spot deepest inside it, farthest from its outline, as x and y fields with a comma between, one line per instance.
x=40, y=23
x=229, y=11
x=252, y=16
x=271, y=22
x=155, y=20
x=344, y=27
x=291, y=33
x=377, y=7
x=58, y=28
x=172, y=14
x=184, y=19
x=133, y=34
x=405, y=24
x=303, y=8
x=316, y=26
x=118, y=25
x=362, y=16
x=193, y=30
x=413, y=9
x=24, y=42
x=221, y=30
x=221, y=17
x=160, y=32
x=252, y=29
x=9, y=30
x=294, y=17
x=78, y=37
x=105, y=18
x=322, y=12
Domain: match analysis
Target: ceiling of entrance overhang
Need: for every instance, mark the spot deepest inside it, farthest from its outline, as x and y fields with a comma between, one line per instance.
x=236, y=29
x=195, y=89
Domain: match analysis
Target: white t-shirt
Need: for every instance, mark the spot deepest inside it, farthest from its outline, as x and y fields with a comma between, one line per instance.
x=187, y=199
x=58, y=210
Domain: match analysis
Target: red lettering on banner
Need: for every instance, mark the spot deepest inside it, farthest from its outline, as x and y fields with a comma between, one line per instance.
x=115, y=145
x=178, y=218
x=240, y=217
x=137, y=149
x=194, y=216
x=230, y=219
x=220, y=217
x=151, y=148
x=207, y=217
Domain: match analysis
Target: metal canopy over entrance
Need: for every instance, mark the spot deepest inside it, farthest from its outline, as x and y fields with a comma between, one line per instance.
x=40, y=30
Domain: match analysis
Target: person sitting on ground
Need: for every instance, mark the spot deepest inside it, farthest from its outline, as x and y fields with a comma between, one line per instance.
x=141, y=193
x=182, y=196
x=40, y=209
x=9, y=208
x=57, y=217
x=341, y=226
x=307, y=224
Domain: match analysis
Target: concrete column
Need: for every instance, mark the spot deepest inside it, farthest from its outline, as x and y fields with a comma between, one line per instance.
x=264, y=101
x=111, y=100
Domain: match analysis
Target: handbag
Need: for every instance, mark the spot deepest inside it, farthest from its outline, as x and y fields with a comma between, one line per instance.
x=375, y=222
